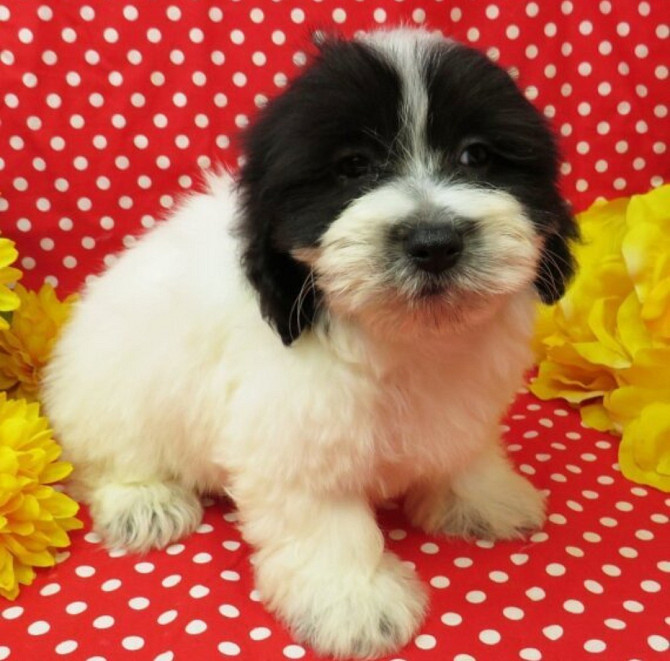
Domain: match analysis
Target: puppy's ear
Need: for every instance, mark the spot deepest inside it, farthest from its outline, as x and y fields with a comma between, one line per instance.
x=286, y=292
x=557, y=265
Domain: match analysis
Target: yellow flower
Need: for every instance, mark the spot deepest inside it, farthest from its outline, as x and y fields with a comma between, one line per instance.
x=8, y=299
x=26, y=346
x=606, y=346
x=646, y=250
x=644, y=452
x=34, y=517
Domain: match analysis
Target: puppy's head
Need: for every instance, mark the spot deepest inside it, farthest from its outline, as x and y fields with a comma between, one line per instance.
x=401, y=180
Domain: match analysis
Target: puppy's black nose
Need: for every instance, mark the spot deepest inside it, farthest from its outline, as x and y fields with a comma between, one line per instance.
x=434, y=248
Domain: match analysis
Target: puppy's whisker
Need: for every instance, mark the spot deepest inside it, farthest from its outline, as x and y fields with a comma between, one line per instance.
x=308, y=285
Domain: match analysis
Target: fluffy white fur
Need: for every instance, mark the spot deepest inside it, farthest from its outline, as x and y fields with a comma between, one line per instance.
x=167, y=383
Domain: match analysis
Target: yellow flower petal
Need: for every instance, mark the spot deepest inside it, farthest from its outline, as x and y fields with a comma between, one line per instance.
x=34, y=517
x=26, y=346
x=644, y=452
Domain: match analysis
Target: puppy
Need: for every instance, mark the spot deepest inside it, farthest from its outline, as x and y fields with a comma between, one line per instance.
x=344, y=323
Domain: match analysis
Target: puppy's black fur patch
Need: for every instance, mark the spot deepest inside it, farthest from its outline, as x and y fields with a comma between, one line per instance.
x=292, y=186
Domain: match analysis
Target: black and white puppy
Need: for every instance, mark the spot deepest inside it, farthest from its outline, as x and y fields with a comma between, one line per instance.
x=346, y=323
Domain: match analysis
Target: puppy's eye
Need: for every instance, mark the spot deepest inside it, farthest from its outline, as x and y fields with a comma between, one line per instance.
x=475, y=155
x=353, y=166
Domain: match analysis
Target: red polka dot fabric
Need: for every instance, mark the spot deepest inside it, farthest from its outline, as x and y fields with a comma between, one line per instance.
x=108, y=113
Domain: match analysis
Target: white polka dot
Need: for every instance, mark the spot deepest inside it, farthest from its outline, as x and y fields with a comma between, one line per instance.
x=472, y=34
x=239, y=79
x=165, y=656
x=154, y=35
x=195, y=627
x=66, y=647
x=167, y=617
x=144, y=567
x=85, y=571
x=536, y=593
x=237, y=37
x=12, y=613
x=463, y=563
x=179, y=99
x=623, y=29
x=611, y=570
x=658, y=643
x=614, y=623
x=530, y=654
x=633, y=606
x=278, y=38
x=133, y=643
x=451, y=619
x=532, y=9
x=419, y=16
x=110, y=35
x=650, y=586
x=293, y=652
x=139, y=603
x=595, y=646
x=197, y=36
x=513, y=613
x=229, y=575
x=76, y=607
x=130, y=13
x=550, y=29
x=519, y=558
x=628, y=552
x=103, y=622
x=425, y=642
x=39, y=628
x=229, y=649
x=553, y=631
x=440, y=582
x=25, y=36
x=379, y=15
x=228, y=610
x=260, y=633
x=199, y=591
x=202, y=558
x=492, y=12
x=489, y=637
x=573, y=606
x=475, y=596
x=256, y=15
x=498, y=576
x=555, y=569
x=593, y=586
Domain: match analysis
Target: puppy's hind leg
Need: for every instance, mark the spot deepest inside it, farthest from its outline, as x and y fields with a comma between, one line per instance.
x=489, y=500
x=138, y=516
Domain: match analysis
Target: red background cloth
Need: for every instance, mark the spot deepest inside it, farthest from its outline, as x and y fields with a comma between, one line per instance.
x=107, y=113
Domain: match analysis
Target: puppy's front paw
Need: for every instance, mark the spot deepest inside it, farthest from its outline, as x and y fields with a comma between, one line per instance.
x=356, y=615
